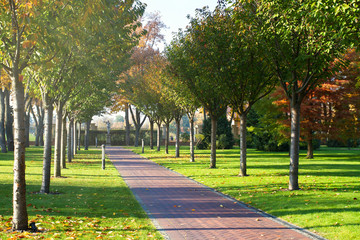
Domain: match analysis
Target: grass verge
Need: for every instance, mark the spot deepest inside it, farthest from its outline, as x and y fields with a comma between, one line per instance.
x=91, y=203
x=328, y=204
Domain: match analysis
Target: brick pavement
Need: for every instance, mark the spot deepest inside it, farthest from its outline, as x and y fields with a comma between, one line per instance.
x=184, y=209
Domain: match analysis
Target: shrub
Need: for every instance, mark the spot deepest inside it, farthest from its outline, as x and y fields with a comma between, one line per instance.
x=223, y=128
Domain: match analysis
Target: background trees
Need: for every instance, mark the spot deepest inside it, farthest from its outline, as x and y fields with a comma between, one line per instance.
x=302, y=38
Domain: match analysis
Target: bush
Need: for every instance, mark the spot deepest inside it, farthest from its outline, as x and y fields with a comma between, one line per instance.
x=185, y=137
x=223, y=128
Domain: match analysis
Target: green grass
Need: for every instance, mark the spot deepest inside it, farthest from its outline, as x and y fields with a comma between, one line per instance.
x=328, y=204
x=93, y=203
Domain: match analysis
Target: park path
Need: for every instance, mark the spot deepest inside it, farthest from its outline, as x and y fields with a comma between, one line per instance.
x=184, y=209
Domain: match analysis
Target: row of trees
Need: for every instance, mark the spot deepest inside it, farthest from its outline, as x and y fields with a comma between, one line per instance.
x=240, y=52
x=62, y=54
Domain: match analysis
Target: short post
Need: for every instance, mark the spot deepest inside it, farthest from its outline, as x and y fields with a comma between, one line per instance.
x=103, y=156
x=96, y=142
x=142, y=145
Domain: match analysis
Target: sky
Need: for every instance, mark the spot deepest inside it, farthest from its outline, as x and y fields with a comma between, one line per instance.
x=173, y=12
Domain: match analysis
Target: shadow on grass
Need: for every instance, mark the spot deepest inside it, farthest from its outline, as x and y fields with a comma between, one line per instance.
x=77, y=201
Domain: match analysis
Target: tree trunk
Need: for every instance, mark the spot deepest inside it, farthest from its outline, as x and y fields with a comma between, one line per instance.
x=63, y=143
x=137, y=134
x=192, y=140
x=69, y=141
x=36, y=126
x=127, y=125
x=2, y=122
x=45, y=184
x=58, y=133
x=213, y=142
x=294, y=145
x=151, y=133
x=167, y=134
x=20, y=216
x=158, y=137
x=27, y=128
x=41, y=113
x=75, y=137
x=79, y=136
x=177, y=144
x=87, y=135
x=9, y=122
x=243, y=147
x=310, y=147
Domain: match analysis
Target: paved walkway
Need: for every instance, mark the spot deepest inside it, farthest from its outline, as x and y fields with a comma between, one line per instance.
x=184, y=209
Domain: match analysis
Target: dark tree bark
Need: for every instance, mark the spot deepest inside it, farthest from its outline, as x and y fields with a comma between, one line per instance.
x=192, y=137
x=127, y=125
x=39, y=123
x=310, y=147
x=2, y=122
x=138, y=124
x=27, y=128
x=177, y=144
x=75, y=137
x=9, y=122
x=213, y=142
x=48, y=105
x=58, y=133
x=151, y=133
x=167, y=134
x=87, y=134
x=63, y=142
x=69, y=141
x=243, y=147
x=79, y=136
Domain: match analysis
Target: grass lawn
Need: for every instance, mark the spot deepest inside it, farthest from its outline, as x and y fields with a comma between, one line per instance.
x=91, y=204
x=328, y=204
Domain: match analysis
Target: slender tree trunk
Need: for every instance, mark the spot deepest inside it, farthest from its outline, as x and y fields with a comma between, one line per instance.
x=151, y=134
x=45, y=184
x=138, y=123
x=294, y=145
x=63, y=143
x=167, y=138
x=69, y=145
x=2, y=122
x=158, y=137
x=58, y=133
x=243, y=147
x=41, y=111
x=79, y=136
x=137, y=134
x=27, y=129
x=36, y=126
x=87, y=134
x=177, y=144
x=204, y=114
x=75, y=137
x=213, y=142
x=9, y=122
x=20, y=216
x=127, y=125
x=192, y=140
x=310, y=147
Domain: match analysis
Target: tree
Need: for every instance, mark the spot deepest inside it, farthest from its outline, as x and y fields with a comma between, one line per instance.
x=243, y=74
x=301, y=41
x=194, y=60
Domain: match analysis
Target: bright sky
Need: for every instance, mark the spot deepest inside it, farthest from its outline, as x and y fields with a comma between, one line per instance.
x=173, y=12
